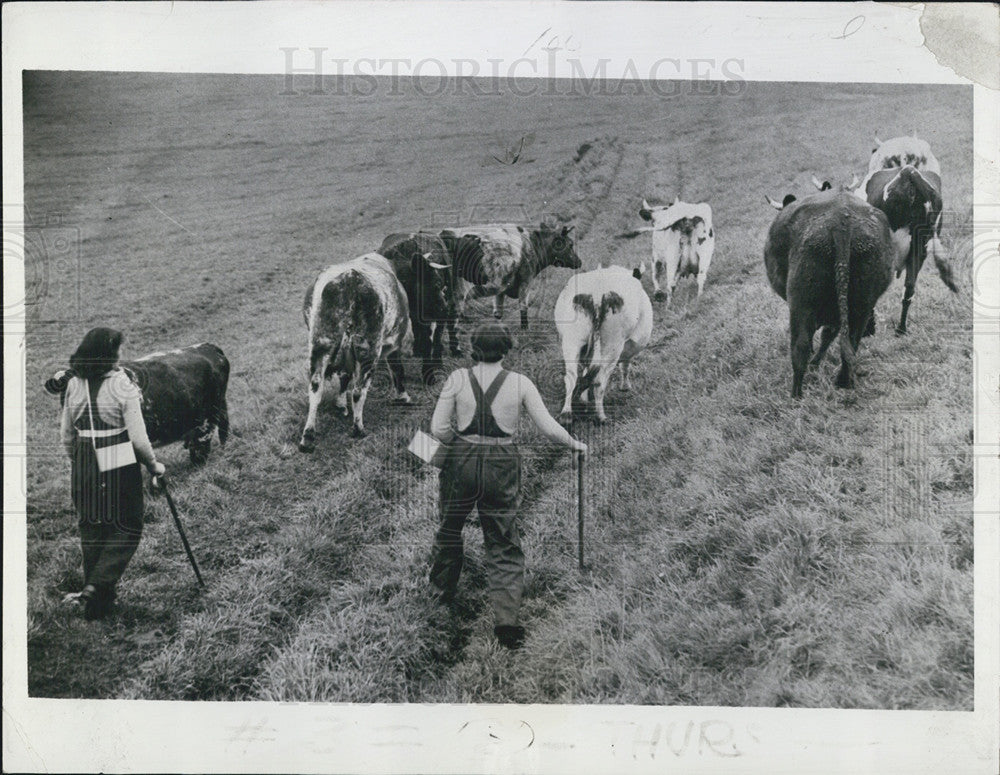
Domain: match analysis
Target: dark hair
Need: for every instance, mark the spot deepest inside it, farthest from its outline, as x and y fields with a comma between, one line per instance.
x=490, y=342
x=97, y=353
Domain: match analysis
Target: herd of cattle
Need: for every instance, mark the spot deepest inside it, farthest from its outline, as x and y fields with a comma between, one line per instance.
x=830, y=255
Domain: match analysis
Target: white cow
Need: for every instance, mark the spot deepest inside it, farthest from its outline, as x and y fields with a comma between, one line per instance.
x=683, y=243
x=604, y=318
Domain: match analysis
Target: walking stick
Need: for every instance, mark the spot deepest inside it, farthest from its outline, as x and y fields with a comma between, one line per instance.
x=579, y=506
x=180, y=529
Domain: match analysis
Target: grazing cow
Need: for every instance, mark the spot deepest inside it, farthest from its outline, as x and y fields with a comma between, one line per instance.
x=683, y=243
x=904, y=182
x=422, y=264
x=829, y=256
x=183, y=396
x=502, y=259
x=355, y=311
x=604, y=318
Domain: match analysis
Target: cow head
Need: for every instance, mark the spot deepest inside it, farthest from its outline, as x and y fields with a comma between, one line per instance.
x=557, y=246
x=789, y=198
x=435, y=285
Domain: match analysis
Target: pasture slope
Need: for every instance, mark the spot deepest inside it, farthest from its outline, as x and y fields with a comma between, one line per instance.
x=745, y=549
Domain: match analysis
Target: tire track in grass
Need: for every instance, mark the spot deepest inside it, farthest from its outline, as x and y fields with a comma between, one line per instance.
x=417, y=651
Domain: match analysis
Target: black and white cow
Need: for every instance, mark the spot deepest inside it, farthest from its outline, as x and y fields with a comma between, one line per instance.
x=683, y=243
x=904, y=182
x=356, y=312
x=183, y=395
x=423, y=265
x=502, y=259
x=604, y=318
x=829, y=256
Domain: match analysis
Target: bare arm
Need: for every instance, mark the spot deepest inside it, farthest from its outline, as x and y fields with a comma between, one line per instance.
x=442, y=422
x=532, y=401
x=136, y=428
x=67, y=433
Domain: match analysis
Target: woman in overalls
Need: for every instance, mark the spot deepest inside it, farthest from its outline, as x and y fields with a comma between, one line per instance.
x=483, y=470
x=102, y=417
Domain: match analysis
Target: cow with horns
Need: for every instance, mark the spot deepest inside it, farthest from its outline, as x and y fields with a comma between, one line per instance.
x=501, y=260
x=423, y=265
x=683, y=244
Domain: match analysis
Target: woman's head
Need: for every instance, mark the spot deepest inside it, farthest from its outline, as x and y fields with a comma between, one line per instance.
x=490, y=342
x=97, y=353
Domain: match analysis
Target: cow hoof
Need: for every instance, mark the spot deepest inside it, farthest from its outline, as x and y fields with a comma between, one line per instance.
x=198, y=453
x=456, y=352
x=844, y=382
x=497, y=314
x=900, y=331
x=307, y=446
x=659, y=296
x=358, y=433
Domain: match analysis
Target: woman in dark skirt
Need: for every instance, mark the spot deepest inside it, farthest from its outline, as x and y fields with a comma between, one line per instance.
x=482, y=470
x=105, y=436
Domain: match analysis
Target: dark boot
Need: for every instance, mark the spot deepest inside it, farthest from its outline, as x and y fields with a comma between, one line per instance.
x=98, y=605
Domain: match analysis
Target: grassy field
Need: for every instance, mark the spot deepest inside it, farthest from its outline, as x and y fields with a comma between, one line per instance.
x=745, y=549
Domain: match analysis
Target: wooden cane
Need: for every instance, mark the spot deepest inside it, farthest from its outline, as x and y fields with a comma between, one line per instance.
x=180, y=529
x=579, y=506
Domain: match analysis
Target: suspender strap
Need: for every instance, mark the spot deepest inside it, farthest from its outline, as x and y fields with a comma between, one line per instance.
x=483, y=420
x=494, y=388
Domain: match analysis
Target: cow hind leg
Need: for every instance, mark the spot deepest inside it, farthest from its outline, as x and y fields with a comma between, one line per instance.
x=395, y=362
x=801, y=348
x=456, y=351
x=222, y=420
x=362, y=381
x=498, y=306
x=656, y=269
x=908, y=292
x=522, y=303
x=320, y=361
x=913, y=263
x=344, y=381
x=826, y=336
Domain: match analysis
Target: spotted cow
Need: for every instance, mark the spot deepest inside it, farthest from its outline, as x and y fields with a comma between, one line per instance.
x=604, y=318
x=356, y=312
x=904, y=182
x=500, y=260
x=683, y=244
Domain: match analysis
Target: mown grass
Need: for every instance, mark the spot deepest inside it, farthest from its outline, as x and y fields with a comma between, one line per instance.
x=744, y=549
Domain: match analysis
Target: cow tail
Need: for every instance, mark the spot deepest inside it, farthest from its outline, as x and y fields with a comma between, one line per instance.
x=842, y=279
x=941, y=262
x=222, y=419
x=583, y=303
x=221, y=406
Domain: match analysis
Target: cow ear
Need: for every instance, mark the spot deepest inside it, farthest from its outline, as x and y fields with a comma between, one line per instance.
x=676, y=199
x=789, y=198
x=646, y=214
